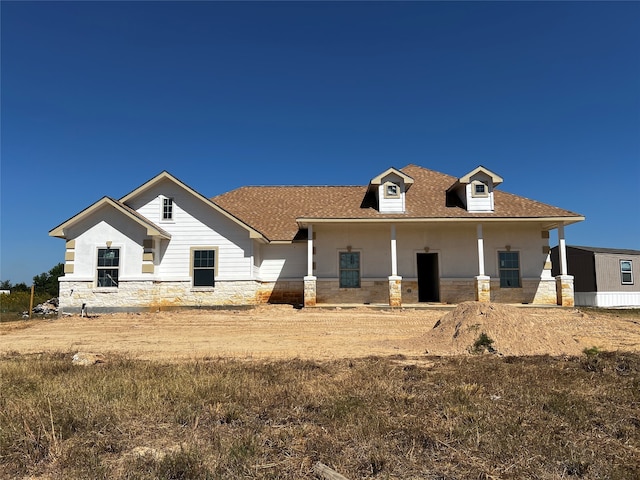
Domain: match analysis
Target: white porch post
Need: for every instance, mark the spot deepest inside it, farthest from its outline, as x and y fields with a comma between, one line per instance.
x=394, y=253
x=480, y=250
x=395, y=282
x=310, y=251
x=564, y=281
x=309, y=280
x=562, y=250
x=251, y=259
x=482, y=282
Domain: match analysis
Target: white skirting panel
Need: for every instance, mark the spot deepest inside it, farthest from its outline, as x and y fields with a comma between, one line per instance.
x=607, y=299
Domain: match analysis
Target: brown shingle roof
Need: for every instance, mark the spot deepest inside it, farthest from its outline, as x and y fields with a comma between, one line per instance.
x=273, y=210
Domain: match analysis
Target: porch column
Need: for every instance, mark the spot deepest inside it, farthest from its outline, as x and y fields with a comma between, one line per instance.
x=562, y=250
x=564, y=281
x=309, y=279
x=482, y=282
x=394, y=253
x=395, y=281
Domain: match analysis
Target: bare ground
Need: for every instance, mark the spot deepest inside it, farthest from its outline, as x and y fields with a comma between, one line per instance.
x=281, y=332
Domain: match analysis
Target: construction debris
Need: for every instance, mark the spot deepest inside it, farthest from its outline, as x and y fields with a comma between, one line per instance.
x=87, y=359
x=50, y=307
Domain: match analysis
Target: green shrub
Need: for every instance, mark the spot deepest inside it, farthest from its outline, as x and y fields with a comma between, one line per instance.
x=483, y=344
x=592, y=361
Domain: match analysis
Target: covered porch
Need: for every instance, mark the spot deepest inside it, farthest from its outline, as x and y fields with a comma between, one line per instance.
x=412, y=263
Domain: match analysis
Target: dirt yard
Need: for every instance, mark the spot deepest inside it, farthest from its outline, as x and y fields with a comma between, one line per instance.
x=280, y=332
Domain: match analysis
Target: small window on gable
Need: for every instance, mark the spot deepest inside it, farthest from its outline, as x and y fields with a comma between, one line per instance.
x=626, y=272
x=167, y=209
x=479, y=189
x=391, y=190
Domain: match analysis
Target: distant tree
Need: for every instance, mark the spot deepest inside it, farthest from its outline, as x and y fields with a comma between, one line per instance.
x=48, y=282
x=20, y=287
x=5, y=285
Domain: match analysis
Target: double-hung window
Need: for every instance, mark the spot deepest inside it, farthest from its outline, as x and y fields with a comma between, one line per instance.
x=509, y=269
x=167, y=209
x=108, y=267
x=203, y=264
x=626, y=272
x=349, y=269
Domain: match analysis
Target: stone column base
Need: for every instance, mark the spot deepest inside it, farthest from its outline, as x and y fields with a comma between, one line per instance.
x=395, y=291
x=483, y=288
x=309, y=291
x=564, y=290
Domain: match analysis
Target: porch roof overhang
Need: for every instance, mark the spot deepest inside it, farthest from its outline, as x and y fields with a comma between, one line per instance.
x=547, y=223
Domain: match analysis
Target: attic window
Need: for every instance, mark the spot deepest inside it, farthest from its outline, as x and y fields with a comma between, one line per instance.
x=167, y=209
x=479, y=189
x=391, y=190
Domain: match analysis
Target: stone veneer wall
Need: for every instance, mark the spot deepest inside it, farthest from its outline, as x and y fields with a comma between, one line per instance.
x=289, y=292
x=564, y=291
x=546, y=293
x=409, y=291
x=457, y=291
x=150, y=295
x=540, y=292
x=370, y=291
x=532, y=291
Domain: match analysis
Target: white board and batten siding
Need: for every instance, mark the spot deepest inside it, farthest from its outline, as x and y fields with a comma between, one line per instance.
x=195, y=224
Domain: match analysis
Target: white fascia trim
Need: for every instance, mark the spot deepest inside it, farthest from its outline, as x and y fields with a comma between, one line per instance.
x=559, y=220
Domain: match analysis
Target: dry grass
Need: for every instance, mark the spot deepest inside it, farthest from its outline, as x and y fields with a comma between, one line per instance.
x=456, y=418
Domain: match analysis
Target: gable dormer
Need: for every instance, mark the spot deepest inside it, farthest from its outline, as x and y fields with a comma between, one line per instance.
x=475, y=189
x=389, y=189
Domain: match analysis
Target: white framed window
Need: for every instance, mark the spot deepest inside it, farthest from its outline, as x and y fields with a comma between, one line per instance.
x=479, y=189
x=509, y=269
x=204, y=266
x=167, y=208
x=349, y=269
x=626, y=272
x=391, y=190
x=108, y=267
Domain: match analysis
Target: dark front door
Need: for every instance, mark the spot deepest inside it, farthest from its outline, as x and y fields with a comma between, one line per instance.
x=428, y=278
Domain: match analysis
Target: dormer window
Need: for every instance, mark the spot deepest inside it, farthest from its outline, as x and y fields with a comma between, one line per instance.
x=391, y=191
x=475, y=190
x=479, y=189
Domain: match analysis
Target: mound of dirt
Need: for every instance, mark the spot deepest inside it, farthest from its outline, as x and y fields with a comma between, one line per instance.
x=513, y=330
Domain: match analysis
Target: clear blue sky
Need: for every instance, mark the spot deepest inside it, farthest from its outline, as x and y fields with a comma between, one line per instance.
x=97, y=98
